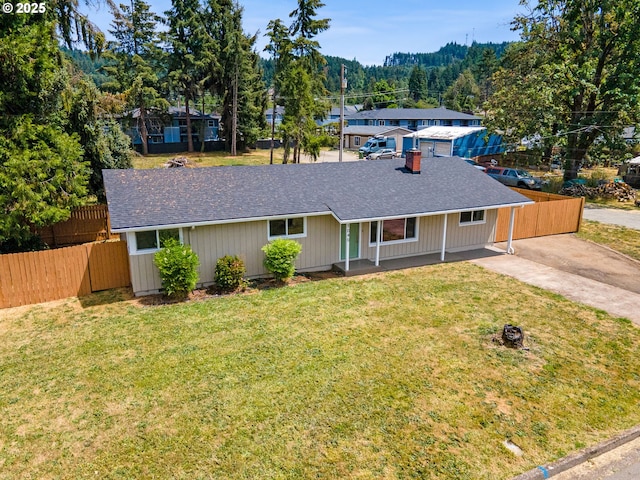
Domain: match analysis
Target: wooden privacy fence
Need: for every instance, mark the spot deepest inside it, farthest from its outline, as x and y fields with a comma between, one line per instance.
x=86, y=224
x=551, y=214
x=35, y=277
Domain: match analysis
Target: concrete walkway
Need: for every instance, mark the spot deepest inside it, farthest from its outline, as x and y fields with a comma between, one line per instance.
x=614, y=216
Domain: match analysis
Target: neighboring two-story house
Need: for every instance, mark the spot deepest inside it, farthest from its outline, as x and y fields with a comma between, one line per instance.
x=413, y=118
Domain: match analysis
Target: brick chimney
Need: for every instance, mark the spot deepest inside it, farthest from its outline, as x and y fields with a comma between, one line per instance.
x=412, y=162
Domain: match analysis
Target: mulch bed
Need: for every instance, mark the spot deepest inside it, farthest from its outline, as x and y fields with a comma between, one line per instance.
x=253, y=286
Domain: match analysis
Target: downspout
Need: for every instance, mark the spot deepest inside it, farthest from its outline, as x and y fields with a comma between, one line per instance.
x=378, y=233
x=348, y=250
x=444, y=238
x=512, y=219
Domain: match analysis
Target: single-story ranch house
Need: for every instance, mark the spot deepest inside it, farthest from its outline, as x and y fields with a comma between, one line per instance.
x=375, y=210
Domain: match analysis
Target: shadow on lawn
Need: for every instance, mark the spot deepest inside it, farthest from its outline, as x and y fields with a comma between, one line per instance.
x=106, y=297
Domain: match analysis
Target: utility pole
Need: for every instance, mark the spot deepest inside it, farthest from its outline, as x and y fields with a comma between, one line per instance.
x=234, y=109
x=343, y=85
x=273, y=123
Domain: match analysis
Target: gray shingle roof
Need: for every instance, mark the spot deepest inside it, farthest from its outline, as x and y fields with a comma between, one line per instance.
x=349, y=190
x=440, y=113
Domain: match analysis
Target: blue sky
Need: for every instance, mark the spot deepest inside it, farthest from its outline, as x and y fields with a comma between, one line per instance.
x=369, y=30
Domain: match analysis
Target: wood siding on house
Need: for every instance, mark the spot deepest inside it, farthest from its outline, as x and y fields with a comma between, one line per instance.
x=430, y=237
x=320, y=249
x=468, y=237
x=145, y=277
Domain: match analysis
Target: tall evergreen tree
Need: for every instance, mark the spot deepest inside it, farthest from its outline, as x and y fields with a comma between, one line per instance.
x=279, y=47
x=189, y=54
x=305, y=66
x=418, y=84
x=42, y=175
x=235, y=77
x=135, y=54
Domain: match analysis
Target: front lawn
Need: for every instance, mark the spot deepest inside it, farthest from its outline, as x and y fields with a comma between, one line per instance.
x=393, y=375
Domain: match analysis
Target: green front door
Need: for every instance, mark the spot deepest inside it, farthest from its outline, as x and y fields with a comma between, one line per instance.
x=354, y=240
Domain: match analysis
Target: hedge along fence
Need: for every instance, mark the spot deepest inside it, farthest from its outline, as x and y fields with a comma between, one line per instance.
x=34, y=277
x=550, y=215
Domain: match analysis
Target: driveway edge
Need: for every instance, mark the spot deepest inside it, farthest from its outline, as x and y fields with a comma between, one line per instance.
x=623, y=255
x=570, y=461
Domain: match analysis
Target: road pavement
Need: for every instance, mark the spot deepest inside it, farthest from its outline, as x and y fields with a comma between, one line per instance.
x=614, y=216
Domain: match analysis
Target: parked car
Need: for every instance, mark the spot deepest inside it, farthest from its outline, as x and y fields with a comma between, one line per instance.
x=375, y=144
x=382, y=153
x=514, y=177
x=477, y=165
x=556, y=164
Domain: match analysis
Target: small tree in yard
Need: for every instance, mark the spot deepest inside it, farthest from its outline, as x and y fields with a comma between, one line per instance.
x=230, y=271
x=178, y=266
x=280, y=257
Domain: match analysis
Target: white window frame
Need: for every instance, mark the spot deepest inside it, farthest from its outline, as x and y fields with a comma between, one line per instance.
x=473, y=221
x=394, y=242
x=381, y=123
x=286, y=225
x=356, y=141
x=133, y=242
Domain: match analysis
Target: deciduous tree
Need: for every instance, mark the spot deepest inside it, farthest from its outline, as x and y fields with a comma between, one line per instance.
x=574, y=79
x=464, y=94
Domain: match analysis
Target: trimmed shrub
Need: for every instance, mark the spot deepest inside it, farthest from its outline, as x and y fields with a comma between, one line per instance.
x=280, y=257
x=230, y=272
x=178, y=266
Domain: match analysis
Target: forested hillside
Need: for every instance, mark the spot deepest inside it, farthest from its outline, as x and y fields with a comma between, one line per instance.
x=441, y=70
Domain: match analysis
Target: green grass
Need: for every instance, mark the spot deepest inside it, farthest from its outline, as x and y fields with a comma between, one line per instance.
x=210, y=159
x=393, y=375
x=622, y=239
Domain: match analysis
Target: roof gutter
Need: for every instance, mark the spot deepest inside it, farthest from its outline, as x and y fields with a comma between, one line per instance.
x=147, y=228
x=431, y=214
x=309, y=214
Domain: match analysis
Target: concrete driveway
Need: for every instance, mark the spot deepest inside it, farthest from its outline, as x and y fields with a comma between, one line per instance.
x=576, y=269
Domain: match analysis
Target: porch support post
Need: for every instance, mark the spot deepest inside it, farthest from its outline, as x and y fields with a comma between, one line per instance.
x=378, y=234
x=348, y=251
x=512, y=219
x=444, y=237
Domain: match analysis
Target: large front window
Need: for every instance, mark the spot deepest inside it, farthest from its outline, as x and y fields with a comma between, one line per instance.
x=287, y=228
x=395, y=230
